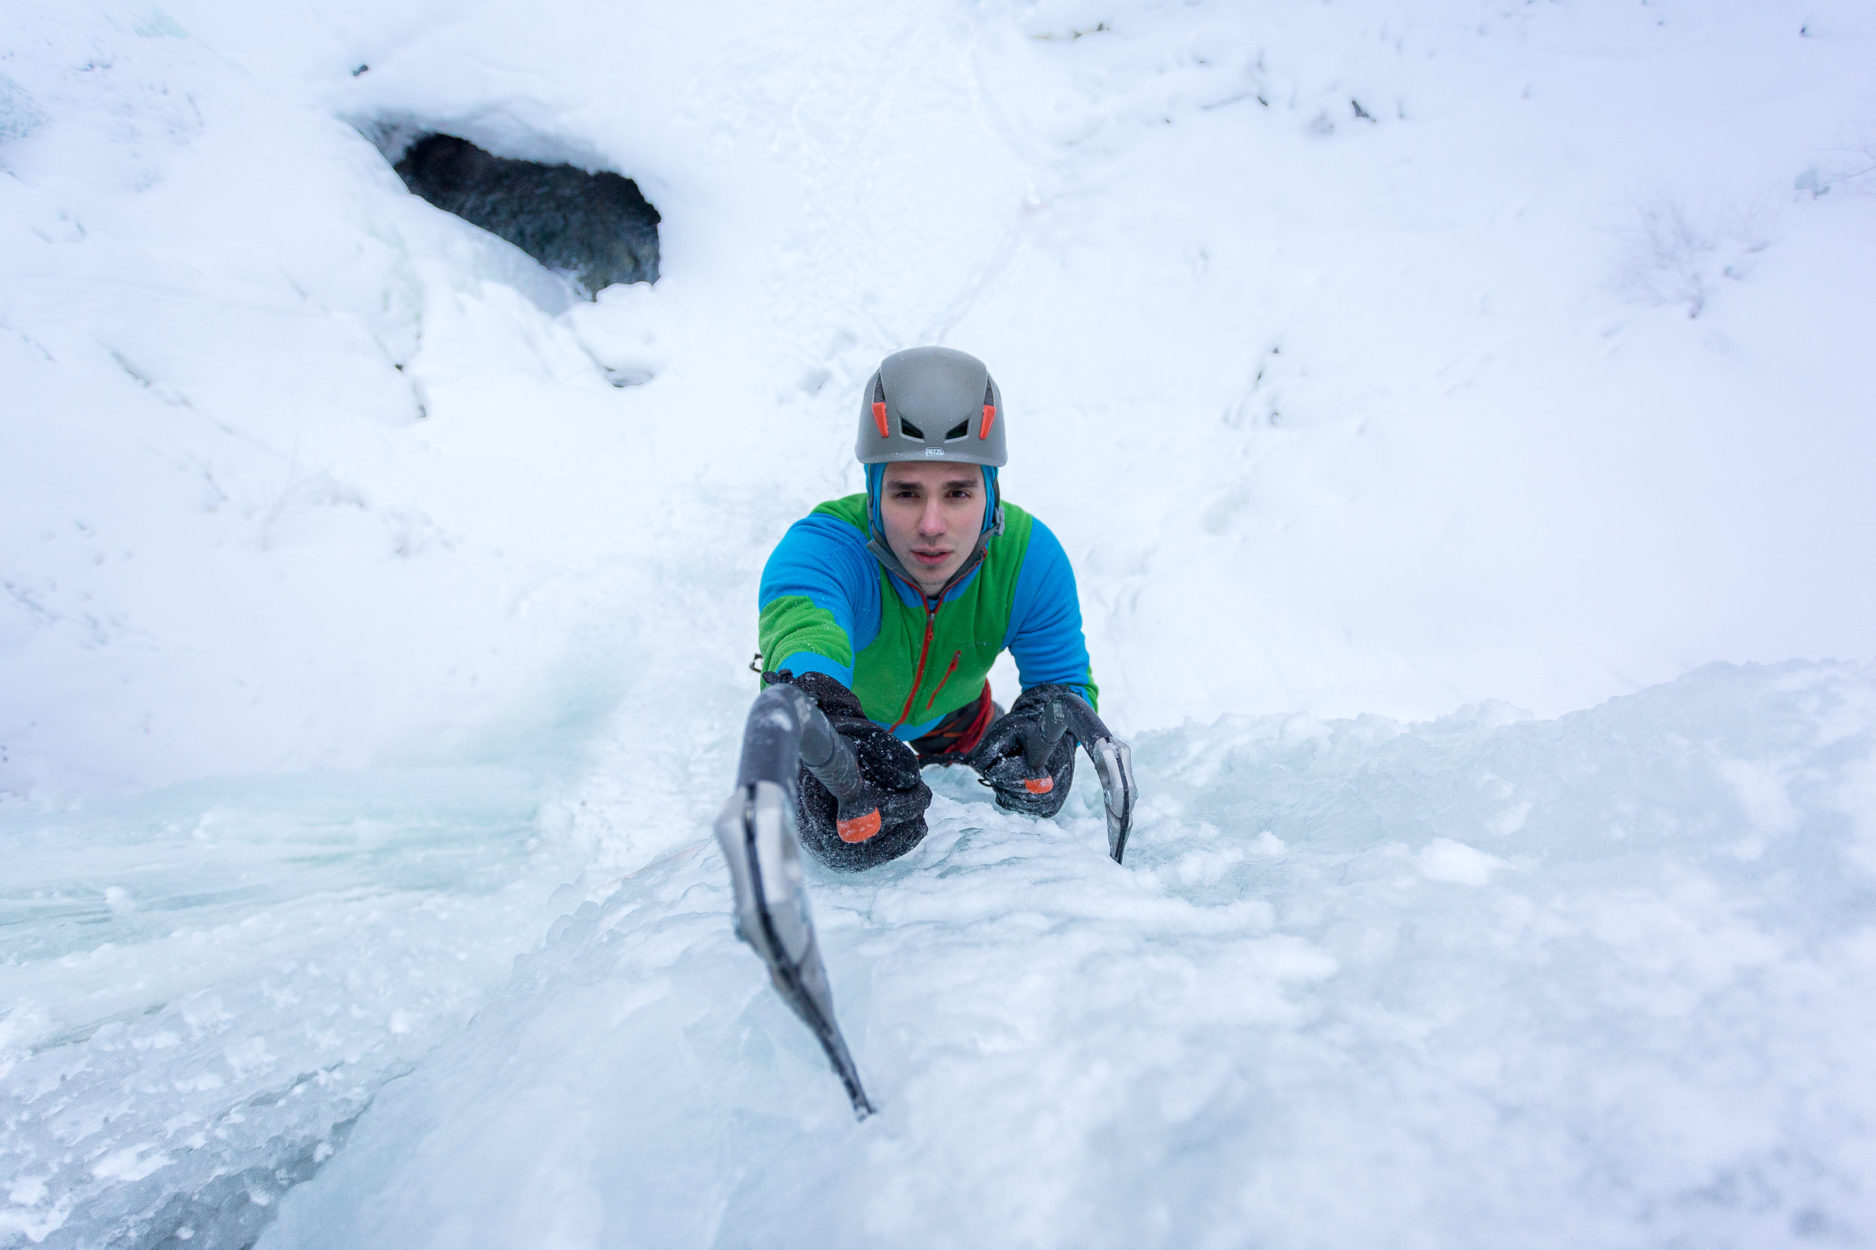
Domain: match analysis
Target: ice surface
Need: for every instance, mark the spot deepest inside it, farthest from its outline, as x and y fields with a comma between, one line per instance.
x=204, y=986
x=1601, y=981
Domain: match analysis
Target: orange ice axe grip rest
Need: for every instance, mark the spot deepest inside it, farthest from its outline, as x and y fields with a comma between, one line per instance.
x=860, y=828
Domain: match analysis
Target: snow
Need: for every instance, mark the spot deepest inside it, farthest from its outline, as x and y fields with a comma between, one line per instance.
x=375, y=614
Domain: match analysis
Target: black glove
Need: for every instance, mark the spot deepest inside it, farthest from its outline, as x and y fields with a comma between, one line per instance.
x=999, y=758
x=887, y=765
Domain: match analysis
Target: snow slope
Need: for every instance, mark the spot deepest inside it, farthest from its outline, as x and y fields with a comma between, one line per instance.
x=1370, y=359
x=1376, y=414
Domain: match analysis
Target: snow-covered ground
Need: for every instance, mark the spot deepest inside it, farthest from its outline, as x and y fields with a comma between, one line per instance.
x=1372, y=360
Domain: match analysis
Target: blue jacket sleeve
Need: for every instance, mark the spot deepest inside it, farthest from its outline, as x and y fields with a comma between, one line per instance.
x=1045, y=619
x=819, y=599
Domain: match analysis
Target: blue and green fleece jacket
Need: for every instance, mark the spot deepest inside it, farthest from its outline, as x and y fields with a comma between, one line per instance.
x=829, y=605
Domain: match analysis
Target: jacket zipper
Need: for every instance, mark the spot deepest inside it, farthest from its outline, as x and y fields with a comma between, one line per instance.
x=931, y=618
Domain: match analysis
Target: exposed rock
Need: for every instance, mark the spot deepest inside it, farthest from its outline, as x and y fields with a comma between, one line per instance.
x=594, y=227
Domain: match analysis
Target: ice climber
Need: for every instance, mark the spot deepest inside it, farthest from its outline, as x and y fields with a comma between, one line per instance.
x=888, y=607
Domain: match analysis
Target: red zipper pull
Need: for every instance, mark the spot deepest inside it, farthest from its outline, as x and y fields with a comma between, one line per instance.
x=955, y=657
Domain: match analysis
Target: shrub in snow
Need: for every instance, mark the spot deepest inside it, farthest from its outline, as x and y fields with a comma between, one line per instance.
x=595, y=228
x=1676, y=256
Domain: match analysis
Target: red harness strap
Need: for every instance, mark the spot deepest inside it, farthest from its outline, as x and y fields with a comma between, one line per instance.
x=957, y=734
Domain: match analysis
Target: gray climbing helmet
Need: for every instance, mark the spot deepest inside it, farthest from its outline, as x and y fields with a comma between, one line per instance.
x=931, y=403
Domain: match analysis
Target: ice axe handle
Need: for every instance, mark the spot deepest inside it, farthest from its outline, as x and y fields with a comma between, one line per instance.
x=1039, y=740
x=831, y=759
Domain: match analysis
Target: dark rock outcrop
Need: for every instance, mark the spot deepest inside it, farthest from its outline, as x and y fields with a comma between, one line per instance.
x=595, y=228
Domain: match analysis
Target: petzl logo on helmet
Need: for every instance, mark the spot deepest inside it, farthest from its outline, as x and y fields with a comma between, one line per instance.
x=935, y=451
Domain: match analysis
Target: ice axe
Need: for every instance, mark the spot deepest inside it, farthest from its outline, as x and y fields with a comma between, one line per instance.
x=756, y=829
x=1066, y=712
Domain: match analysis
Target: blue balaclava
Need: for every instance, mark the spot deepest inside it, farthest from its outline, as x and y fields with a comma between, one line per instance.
x=876, y=482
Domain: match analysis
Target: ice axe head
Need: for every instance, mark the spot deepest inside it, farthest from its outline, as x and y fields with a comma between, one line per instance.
x=1113, y=760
